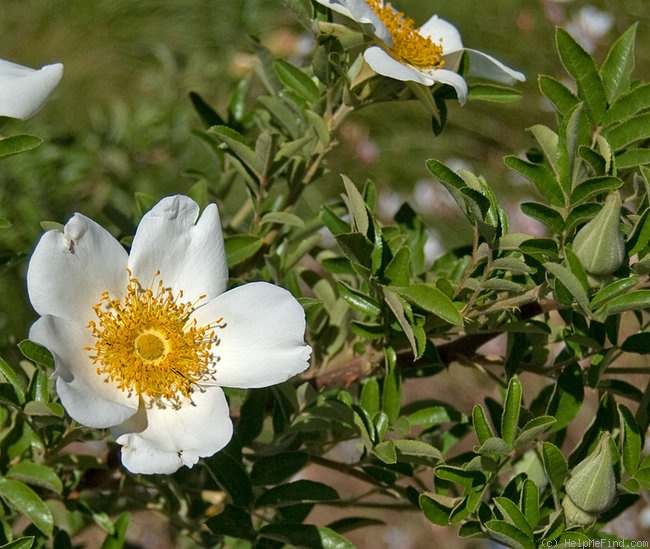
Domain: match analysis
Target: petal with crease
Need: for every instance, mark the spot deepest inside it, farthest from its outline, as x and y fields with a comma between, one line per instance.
x=262, y=341
x=189, y=253
x=383, y=63
x=69, y=270
x=170, y=438
x=83, y=392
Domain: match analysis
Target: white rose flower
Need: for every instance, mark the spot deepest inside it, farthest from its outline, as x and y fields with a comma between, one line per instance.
x=144, y=341
x=426, y=55
x=23, y=91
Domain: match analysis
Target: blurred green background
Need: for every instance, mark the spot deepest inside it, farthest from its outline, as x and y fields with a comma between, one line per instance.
x=121, y=120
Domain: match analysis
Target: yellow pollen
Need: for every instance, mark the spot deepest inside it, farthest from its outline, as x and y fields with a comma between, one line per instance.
x=147, y=344
x=409, y=46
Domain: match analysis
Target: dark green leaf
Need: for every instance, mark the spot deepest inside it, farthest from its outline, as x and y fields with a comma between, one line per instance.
x=465, y=478
x=541, y=176
x=581, y=66
x=617, y=68
x=206, y=112
x=230, y=474
x=20, y=543
x=513, y=515
x=391, y=390
x=629, y=131
x=433, y=300
x=232, y=521
x=305, y=535
x=635, y=300
x=568, y=396
x=277, y=468
x=299, y=491
x=117, y=539
x=297, y=80
x=544, y=214
x=629, y=104
x=632, y=441
x=511, y=409
x=555, y=465
x=23, y=499
x=10, y=375
x=435, y=511
x=614, y=289
x=590, y=188
x=637, y=343
x=510, y=535
x=241, y=247
x=36, y=353
x=492, y=93
x=36, y=474
x=530, y=502
x=532, y=429
x=571, y=282
x=630, y=158
x=236, y=143
x=358, y=300
x=369, y=399
x=481, y=425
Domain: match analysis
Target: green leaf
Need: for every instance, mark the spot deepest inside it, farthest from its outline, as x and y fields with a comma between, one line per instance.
x=435, y=511
x=232, y=521
x=433, y=300
x=637, y=343
x=513, y=515
x=21, y=543
x=532, y=429
x=236, y=143
x=466, y=478
x=230, y=474
x=36, y=353
x=357, y=248
x=117, y=538
x=617, y=67
x=299, y=491
x=548, y=142
x=359, y=301
x=359, y=220
x=417, y=448
x=481, y=425
x=305, y=535
x=613, y=290
x=629, y=131
x=492, y=93
x=511, y=410
x=571, y=282
x=391, y=390
x=494, y=446
x=631, y=158
x=369, y=399
x=638, y=299
x=10, y=375
x=23, y=499
x=398, y=270
x=530, y=502
x=510, y=535
x=544, y=214
x=15, y=144
x=396, y=305
x=590, y=188
x=241, y=247
x=555, y=465
x=557, y=93
x=574, y=133
x=37, y=475
x=628, y=105
x=544, y=179
x=205, y=111
x=294, y=78
x=632, y=441
x=581, y=66
x=568, y=396
x=277, y=468
x=283, y=218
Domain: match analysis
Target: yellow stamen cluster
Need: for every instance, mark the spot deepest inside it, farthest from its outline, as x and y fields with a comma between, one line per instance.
x=409, y=46
x=147, y=344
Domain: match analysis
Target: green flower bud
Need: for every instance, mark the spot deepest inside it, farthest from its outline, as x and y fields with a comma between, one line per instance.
x=591, y=488
x=600, y=245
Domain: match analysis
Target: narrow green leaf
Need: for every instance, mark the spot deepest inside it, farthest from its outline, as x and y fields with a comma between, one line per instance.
x=435, y=511
x=511, y=410
x=277, y=468
x=513, y=515
x=369, y=398
x=23, y=499
x=635, y=300
x=417, y=448
x=573, y=133
x=592, y=187
x=581, y=66
x=305, y=535
x=241, y=247
x=571, y=282
x=530, y=502
x=494, y=446
x=36, y=353
x=232, y=521
x=283, y=218
x=236, y=143
x=358, y=300
x=10, y=375
x=544, y=179
x=557, y=93
x=26, y=542
x=510, y=535
x=492, y=93
x=532, y=429
x=630, y=158
x=617, y=67
x=396, y=305
x=433, y=300
x=297, y=80
x=568, y=396
x=391, y=390
x=637, y=343
x=629, y=131
x=230, y=474
x=632, y=441
x=544, y=214
x=299, y=491
x=481, y=425
x=463, y=477
x=37, y=475
x=613, y=290
x=628, y=105
x=117, y=539
x=15, y=144
x=548, y=142
x=205, y=111
x=555, y=465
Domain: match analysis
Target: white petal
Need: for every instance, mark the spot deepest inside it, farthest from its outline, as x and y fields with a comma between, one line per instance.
x=444, y=33
x=262, y=342
x=362, y=13
x=171, y=438
x=482, y=65
x=383, y=63
x=83, y=393
x=189, y=254
x=23, y=91
x=452, y=78
x=69, y=270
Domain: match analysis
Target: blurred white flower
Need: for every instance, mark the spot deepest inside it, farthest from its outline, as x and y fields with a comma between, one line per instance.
x=589, y=25
x=144, y=341
x=426, y=55
x=23, y=91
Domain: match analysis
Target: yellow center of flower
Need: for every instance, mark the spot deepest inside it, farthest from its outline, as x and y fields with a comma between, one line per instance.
x=147, y=344
x=409, y=46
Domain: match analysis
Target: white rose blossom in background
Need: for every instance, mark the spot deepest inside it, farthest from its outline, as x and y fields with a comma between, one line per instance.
x=23, y=91
x=144, y=341
x=427, y=55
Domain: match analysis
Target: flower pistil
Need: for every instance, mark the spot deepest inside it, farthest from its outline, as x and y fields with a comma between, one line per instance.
x=148, y=344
